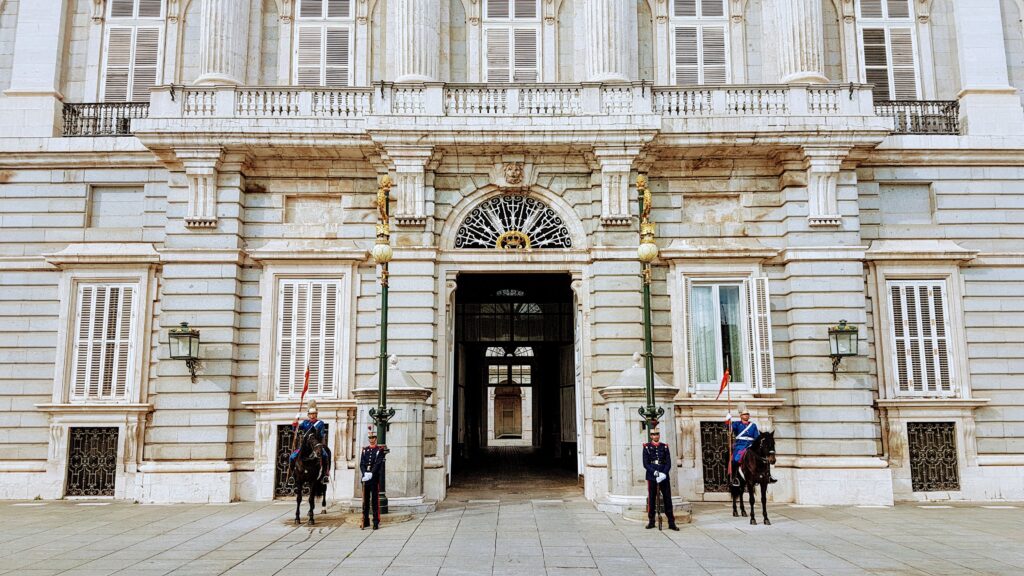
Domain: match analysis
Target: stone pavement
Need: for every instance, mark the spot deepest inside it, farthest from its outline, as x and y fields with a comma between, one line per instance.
x=520, y=536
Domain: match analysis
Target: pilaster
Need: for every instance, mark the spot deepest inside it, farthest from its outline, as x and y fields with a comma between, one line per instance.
x=415, y=199
x=33, y=103
x=224, y=43
x=611, y=38
x=616, y=165
x=800, y=40
x=418, y=32
x=284, y=44
x=823, y=166
x=201, y=166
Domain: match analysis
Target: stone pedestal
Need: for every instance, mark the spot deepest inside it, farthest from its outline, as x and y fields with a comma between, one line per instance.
x=224, y=42
x=418, y=27
x=627, y=486
x=800, y=38
x=404, y=464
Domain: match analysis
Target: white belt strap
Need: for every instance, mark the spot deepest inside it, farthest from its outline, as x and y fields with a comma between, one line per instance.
x=743, y=434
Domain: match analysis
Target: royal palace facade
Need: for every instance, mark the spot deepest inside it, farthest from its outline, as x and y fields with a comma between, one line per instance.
x=217, y=162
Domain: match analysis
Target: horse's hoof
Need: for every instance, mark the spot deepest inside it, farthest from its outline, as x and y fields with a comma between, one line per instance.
x=744, y=514
x=752, y=521
x=767, y=522
x=735, y=514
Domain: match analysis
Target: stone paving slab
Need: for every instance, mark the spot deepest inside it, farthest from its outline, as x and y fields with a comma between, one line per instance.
x=515, y=538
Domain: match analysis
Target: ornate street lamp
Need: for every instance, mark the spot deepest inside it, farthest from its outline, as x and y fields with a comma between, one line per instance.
x=184, y=345
x=842, y=340
x=382, y=254
x=647, y=252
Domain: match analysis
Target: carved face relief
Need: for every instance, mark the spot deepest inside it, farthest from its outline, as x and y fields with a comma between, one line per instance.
x=514, y=173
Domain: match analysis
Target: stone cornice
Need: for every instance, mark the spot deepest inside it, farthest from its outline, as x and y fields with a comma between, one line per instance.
x=95, y=408
x=918, y=404
x=109, y=254
x=917, y=250
x=718, y=248
x=298, y=250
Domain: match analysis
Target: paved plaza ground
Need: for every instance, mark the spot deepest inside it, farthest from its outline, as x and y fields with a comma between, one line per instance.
x=518, y=535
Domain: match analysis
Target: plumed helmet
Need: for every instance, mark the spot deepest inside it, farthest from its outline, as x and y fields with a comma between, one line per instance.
x=312, y=407
x=743, y=409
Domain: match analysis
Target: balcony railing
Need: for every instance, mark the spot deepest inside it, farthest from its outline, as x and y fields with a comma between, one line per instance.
x=921, y=116
x=102, y=119
x=512, y=100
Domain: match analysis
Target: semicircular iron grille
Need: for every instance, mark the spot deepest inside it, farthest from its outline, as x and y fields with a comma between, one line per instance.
x=491, y=222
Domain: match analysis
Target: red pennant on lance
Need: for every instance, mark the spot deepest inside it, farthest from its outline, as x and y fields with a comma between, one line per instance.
x=725, y=382
x=302, y=398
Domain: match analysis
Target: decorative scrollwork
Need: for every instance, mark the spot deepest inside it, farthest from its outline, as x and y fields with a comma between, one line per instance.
x=513, y=222
x=933, y=456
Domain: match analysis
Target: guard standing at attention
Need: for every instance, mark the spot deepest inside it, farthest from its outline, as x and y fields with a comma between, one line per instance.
x=370, y=463
x=658, y=463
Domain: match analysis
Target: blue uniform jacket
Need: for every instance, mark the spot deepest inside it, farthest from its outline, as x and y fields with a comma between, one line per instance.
x=371, y=460
x=743, y=440
x=321, y=429
x=656, y=459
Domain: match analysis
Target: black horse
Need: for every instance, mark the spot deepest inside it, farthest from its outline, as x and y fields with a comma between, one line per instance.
x=754, y=468
x=308, y=469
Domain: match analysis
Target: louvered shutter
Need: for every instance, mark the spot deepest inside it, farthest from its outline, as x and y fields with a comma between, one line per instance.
x=876, y=62
x=103, y=345
x=525, y=42
x=904, y=68
x=336, y=57
x=687, y=56
x=145, y=61
x=308, y=60
x=498, y=9
x=307, y=336
x=712, y=8
x=311, y=8
x=898, y=8
x=118, y=67
x=871, y=9
x=498, y=55
x=691, y=380
x=685, y=8
x=713, y=54
x=150, y=8
x=339, y=8
x=759, y=342
x=921, y=362
x=525, y=9
x=122, y=8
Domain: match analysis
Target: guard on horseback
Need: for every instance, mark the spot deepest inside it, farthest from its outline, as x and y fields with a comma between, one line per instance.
x=658, y=463
x=371, y=463
x=314, y=423
x=744, y=434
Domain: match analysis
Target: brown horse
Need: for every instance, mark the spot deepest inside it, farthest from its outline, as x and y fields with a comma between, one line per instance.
x=754, y=468
x=308, y=469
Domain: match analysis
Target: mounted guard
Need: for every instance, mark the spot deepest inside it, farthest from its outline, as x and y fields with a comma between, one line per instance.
x=312, y=422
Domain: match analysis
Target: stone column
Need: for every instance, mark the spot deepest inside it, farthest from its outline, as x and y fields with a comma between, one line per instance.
x=988, y=104
x=611, y=35
x=223, y=42
x=33, y=103
x=627, y=487
x=801, y=41
x=417, y=41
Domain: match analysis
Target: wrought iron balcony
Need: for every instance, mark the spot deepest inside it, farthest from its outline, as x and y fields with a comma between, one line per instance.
x=921, y=116
x=102, y=118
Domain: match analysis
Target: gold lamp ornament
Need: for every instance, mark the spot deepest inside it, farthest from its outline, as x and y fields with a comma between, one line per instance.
x=647, y=252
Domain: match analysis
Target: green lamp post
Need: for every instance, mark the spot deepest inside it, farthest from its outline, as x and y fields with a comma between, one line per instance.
x=647, y=252
x=382, y=254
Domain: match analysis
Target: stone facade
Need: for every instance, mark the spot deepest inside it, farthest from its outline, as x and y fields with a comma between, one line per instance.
x=784, y=178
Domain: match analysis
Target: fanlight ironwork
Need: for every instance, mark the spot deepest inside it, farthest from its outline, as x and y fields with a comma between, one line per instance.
x=513, y=222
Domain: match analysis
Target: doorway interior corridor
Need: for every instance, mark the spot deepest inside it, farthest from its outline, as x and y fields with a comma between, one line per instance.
x=515, y=427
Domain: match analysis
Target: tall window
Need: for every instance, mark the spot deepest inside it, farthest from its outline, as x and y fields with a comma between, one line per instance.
x=103, y=350
x=323, y=47
x=889, y=48
x=512, y=40
x=920, y=338
x=700, y=53
x=307, y=336
x=133, y=49
x=729, y=327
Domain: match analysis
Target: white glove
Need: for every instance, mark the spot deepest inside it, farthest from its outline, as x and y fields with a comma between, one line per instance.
x=661, y=476
x=367, y=476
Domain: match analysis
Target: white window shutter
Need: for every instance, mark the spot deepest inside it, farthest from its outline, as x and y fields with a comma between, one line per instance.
x=150, y=8
x=759, y=341
x=122, y=8
x=145, y=61
x=118, y=66
x=285, y=339
x=329, y=339
x=336, y=57
x=921, y=363
x=498, y=9
x=898, y=9
x=525, y=40
x=876, y=62
x=307, y=69
x=691, y=380
x=871, y=8
x=904, y=67
x=685, y=8
x=714, y=55
x=687, y=57
x=712, y=8
x=311, y=8
x=339, y=8
x=498, y=55
x=307, y=336
x=525, y=9
x=103, y=345
x=80, y=352
x=125, y=342
x=940, y=335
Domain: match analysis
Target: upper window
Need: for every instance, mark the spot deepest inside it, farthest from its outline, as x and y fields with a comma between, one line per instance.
x=103, y=351
x=729, y=328
x=512, y=40
x=889, y=49
x=133, y=50
x=700, y=47
x=307, y=337
x=920, y=338
x=323, y=47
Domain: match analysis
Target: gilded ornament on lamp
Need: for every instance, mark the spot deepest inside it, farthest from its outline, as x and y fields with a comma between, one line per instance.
x=383, y=195
x=647, y=228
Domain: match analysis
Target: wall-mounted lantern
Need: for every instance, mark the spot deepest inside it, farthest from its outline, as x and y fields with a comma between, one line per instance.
x=842, y=340
x=184, y=344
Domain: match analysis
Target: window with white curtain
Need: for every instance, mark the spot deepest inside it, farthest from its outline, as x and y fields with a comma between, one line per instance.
x=700, y=42
x=888, y=45
x=728, y=327
x=511, y=40
x=323, y=43
x=132, y=49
